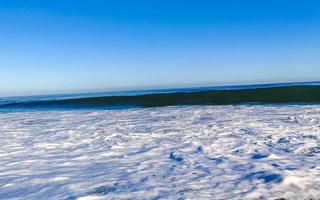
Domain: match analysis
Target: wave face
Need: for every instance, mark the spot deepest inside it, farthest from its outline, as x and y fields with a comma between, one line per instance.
x=251, y=95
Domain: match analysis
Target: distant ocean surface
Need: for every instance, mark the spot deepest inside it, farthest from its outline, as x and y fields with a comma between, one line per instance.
x=285, y=93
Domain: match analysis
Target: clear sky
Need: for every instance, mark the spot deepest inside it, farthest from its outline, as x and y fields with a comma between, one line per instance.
x=52, y=46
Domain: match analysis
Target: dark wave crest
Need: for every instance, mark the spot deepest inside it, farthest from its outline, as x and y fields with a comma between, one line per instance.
x=291, y=94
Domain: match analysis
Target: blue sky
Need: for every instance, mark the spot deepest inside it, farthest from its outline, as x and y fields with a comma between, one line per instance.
x=70, y=46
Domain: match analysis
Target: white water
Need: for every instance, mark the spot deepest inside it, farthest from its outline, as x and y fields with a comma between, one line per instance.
x=196, y=152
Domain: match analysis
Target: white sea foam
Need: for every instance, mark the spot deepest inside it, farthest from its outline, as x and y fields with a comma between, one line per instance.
x=196, y=152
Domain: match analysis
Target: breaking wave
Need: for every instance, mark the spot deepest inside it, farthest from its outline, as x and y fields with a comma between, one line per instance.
x=279, y=94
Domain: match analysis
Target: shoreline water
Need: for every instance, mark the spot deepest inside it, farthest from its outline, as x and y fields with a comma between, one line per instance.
x=186, y=152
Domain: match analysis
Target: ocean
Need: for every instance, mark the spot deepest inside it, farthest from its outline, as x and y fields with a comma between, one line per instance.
x=285, y=93
x=231, y=142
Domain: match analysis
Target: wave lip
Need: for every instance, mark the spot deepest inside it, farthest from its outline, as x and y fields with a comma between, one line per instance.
x=272, y=95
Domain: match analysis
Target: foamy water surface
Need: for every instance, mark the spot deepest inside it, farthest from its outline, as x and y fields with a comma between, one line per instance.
x=184, y=152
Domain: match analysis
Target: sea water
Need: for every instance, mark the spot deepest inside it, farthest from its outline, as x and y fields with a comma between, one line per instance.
x=173, y=152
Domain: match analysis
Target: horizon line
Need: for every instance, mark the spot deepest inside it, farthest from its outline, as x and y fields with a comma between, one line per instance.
x=75, y=92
